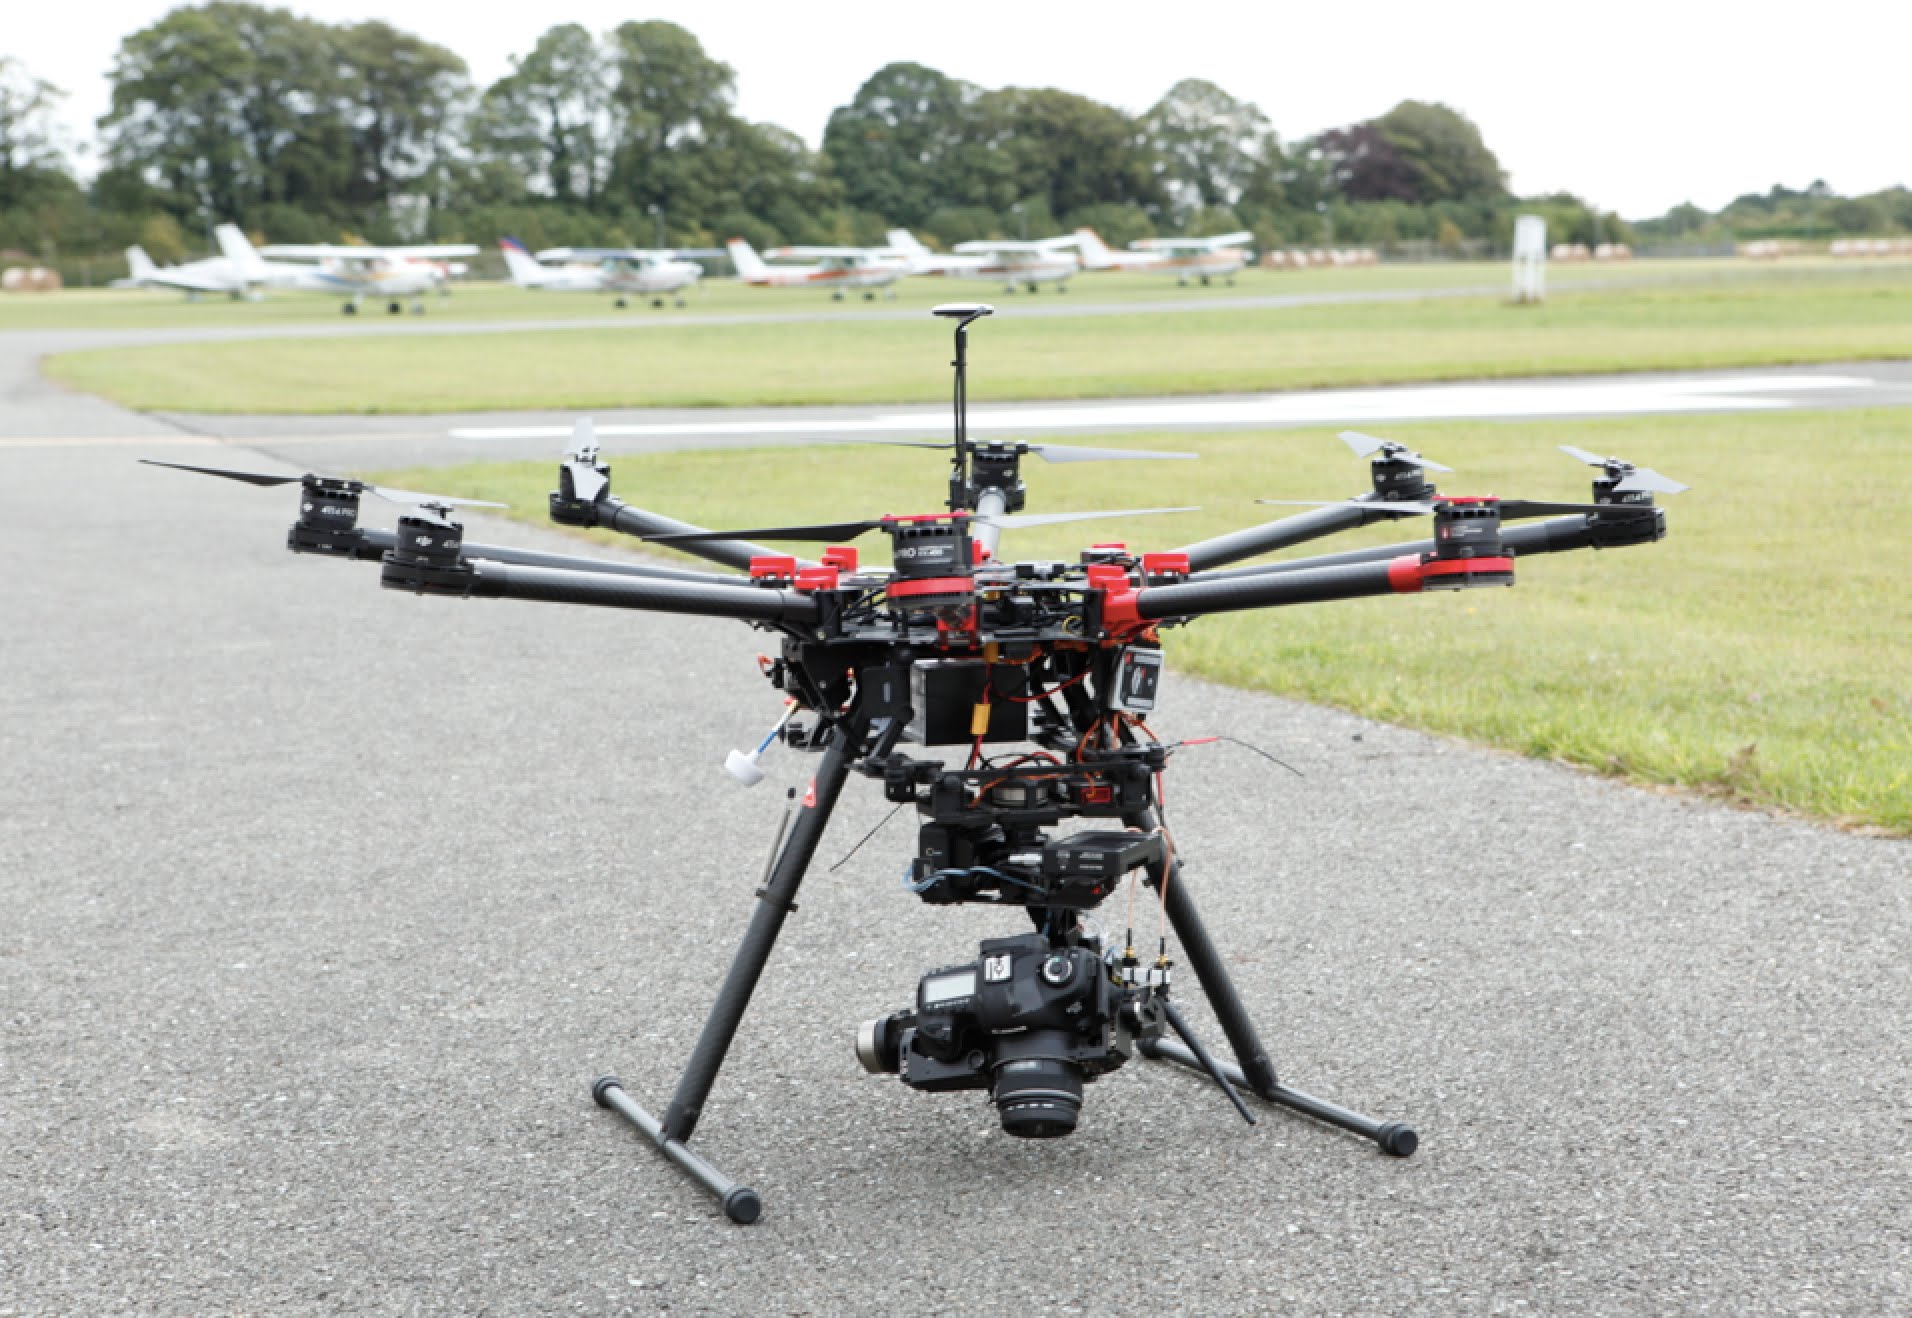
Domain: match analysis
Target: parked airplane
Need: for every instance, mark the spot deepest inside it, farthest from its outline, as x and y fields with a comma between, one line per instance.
x=839, y=268
x=1031, y=264
x=392, y=273
x=922, y=261
x=1203, y=259
x=621, y=270
x=226, y=273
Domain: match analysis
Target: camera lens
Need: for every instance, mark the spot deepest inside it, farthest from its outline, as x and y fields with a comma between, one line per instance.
x=1038, y=1097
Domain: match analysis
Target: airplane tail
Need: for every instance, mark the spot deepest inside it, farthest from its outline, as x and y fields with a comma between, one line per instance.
x=235, y=248
x=525, y=270
x=906, y=242
x=1095, y=253
x=745, y=258
x=138, y=264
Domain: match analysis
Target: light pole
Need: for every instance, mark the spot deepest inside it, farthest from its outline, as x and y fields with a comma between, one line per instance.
x=657, y=215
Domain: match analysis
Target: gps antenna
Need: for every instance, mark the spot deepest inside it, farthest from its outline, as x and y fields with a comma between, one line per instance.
x=962, y=313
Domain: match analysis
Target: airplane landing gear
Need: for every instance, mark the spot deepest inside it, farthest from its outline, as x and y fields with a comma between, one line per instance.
x=657, y=302
x=349, y=309
x=837, y=296
x=1034, y=287
x=394, y=308
x=869, y=296
x=622, y=303
x=680, y=302
x=418, y=307
x=1204, y=281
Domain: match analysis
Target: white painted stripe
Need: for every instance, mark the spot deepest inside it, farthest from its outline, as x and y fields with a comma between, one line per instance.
x=1429, y=403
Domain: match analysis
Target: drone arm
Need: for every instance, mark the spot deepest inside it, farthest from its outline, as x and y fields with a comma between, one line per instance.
x=1283, y=532
x=493, y=580
x=619, y=516
x=1193, y=598
x=602, y=566
x=1550, y=537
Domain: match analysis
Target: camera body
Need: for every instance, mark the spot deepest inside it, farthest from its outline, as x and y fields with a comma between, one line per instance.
x=1031, y=1020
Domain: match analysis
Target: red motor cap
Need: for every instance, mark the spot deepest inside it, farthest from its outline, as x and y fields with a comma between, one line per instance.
x=772, y=565
x=1165, y=565
x=842, y=557
x=1107, y=576
x=817, y=578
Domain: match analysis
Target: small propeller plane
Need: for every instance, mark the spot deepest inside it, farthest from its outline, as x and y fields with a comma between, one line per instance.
x=1193, y=259
x=625, y=271
x=390, y=273
x=1030, y=264
x=836, y=268
x=229, y=273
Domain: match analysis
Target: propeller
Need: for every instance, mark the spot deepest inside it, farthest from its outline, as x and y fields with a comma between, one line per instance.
x=411, y=497
x=1510, y=509
x=1389, y=450
x=833, y=532
x=588, y=480
x=1628, y=476
x=1047, y=452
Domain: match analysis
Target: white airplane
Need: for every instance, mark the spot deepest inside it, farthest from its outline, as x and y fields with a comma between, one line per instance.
x=922, y=261
x=1203, y=259
x=621, y=270
x=391, y=273
x=228, y=273
x=867, y=268
x=1031, y=264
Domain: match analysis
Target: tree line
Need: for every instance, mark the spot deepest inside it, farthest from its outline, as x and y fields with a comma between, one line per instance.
x=310, y=131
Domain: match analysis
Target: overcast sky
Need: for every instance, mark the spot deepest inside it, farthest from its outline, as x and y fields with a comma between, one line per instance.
x=1635, y=106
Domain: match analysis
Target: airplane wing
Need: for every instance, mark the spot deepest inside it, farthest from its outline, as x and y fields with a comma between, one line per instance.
x=1004, y=246
x=354, y=252
x=823, y=253
x=188, y=281
x=1192, y=244
x=627, y=253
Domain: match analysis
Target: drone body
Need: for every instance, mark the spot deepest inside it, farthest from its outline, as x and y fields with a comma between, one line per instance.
x=947, y=644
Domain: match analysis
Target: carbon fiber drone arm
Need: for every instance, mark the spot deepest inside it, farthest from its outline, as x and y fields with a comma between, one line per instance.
x=613, y=513
x=1284, y=532
x=494, y=580
x=1625, y=527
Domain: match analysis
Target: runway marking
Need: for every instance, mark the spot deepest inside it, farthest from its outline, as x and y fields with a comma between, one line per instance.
x=1428, y=403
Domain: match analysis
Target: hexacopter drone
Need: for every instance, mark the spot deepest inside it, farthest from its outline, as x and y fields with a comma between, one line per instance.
x=1053, y=665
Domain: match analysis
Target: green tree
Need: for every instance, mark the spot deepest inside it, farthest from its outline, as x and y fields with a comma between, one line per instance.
x=1070, y=152
x=1444, y=150
x=550, y=117
x=892, y=146
x=225, y=106
x=1213, y=150
x=671, y=100
x=401, y=97
x=31, y=160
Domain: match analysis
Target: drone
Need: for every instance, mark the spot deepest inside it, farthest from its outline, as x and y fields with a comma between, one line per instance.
x=1001, y=699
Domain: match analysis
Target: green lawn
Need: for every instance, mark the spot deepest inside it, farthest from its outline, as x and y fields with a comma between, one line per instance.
x=1762, y=652
x=1766, y=317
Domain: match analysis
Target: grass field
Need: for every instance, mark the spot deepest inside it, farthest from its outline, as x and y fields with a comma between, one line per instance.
x=1762, y=652
x=130, y=309
x=1767, y=317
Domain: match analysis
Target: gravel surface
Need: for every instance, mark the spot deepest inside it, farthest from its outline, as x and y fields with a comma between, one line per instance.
x=324, y=906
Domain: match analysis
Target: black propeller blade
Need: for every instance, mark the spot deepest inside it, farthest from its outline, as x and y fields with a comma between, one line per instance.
x=1363, y=445
x=383, y=491
x=1510, y=509
x=1047, y=452
x=1631, y=478
x=834, y=531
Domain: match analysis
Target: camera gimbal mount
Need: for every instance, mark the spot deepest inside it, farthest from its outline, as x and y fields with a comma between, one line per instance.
x=948, y=645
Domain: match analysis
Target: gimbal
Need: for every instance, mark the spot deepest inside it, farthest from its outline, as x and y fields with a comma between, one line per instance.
x=948, y=645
